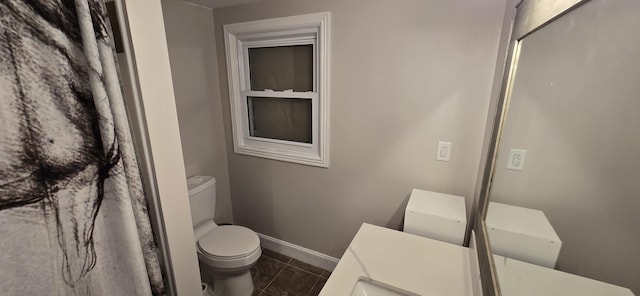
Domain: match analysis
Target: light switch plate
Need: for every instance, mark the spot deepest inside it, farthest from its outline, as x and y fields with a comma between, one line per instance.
x=444, y=151
x=516, y=159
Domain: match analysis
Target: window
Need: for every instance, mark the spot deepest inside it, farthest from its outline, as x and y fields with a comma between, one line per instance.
x=278, y=88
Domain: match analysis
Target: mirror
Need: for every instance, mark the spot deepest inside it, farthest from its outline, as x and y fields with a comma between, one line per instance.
x=562, y=198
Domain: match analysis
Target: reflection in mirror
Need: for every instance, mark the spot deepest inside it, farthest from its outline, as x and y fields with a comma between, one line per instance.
x=565, y=193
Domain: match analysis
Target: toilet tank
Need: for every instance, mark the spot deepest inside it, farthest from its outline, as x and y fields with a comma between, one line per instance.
x=202, y=198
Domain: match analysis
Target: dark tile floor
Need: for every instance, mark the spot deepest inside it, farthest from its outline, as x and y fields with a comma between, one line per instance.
x=278, y=275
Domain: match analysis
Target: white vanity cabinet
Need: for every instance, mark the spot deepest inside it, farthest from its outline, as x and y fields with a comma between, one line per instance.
x=436, y=215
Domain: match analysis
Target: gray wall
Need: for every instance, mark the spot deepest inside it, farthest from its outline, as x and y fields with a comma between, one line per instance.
x=192, y=55
x=403, y=77
x=575, y=108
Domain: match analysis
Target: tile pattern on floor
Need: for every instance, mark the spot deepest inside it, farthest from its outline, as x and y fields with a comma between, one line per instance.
x=278, y=275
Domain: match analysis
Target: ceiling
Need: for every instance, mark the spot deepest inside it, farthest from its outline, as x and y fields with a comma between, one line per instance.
x=221, y=3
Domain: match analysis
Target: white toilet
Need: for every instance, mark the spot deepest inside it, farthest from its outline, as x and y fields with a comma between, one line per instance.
x=228, y=252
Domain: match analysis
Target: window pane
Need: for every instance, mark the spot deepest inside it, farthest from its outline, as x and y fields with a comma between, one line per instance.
x=280, y=118
x=282, y=67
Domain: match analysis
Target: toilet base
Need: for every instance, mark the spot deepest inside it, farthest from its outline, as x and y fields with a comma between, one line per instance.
x=239, y=284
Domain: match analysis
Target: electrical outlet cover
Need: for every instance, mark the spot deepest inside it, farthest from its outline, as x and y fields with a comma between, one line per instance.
x=516, y=159
x=444, y=151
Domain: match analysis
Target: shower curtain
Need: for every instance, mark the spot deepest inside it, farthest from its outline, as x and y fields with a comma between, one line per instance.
x=73, y=215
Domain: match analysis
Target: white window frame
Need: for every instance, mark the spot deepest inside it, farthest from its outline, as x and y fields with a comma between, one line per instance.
x=295, y=30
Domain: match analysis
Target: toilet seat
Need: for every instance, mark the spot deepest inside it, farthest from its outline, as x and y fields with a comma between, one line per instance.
x=230, y=246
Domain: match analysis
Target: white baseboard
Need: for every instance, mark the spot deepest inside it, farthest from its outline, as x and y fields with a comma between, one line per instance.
x=297, y=252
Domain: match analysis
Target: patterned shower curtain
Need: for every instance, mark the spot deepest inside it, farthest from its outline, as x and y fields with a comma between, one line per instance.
x=73, y=215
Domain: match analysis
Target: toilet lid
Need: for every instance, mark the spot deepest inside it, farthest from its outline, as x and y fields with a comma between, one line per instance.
x=229, y=241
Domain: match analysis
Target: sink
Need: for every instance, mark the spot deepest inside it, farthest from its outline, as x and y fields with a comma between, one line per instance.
x=386, y=262
x=369, y=287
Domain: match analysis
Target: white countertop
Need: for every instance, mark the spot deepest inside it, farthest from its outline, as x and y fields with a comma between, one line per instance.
x=412, y=263
x=517, y=278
